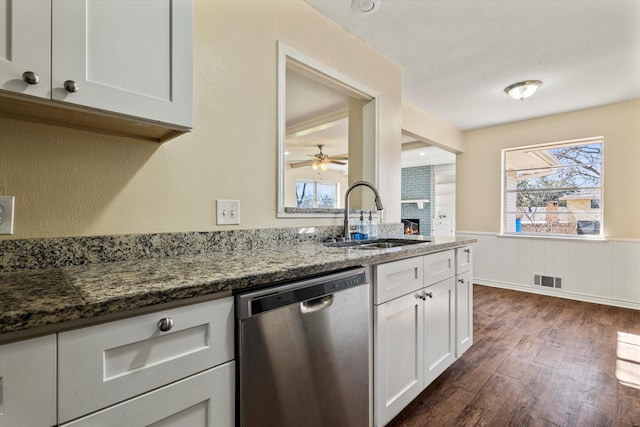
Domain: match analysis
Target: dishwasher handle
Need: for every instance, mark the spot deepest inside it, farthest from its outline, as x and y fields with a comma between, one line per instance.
x=316, y=304
x=306, y=293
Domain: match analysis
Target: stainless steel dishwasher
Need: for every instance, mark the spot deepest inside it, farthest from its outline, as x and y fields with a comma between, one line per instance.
x=303, y=353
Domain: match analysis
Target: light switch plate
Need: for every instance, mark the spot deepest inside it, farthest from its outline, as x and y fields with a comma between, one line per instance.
x=6, y=214
x=227, y=212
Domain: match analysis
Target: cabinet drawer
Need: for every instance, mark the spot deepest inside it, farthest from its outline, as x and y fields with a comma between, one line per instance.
x=439, y=266
x=464, y=259
x=203, y=400
x=397, y=278
x=109, y=363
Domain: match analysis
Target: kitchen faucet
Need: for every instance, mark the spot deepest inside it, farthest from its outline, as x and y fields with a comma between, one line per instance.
x=379, y=207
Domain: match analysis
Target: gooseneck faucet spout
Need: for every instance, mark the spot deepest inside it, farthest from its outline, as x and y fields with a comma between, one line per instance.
x=378, y=202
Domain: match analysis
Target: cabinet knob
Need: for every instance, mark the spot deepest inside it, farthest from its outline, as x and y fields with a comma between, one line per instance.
x=468, y=250
x=420, y=296
x=461, y=280
x=30, y=77
x=71, y=86
x=428, y=294
x=165, y=324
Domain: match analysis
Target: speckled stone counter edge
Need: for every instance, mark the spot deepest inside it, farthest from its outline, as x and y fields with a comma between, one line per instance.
x=176, y=267
x=27, y=254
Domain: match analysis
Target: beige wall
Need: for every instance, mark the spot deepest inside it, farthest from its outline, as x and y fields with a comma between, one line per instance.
x=478, y=168
x=75, y=183
x=428, y=129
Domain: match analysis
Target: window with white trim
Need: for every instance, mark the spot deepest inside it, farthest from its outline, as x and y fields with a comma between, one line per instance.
x=317, y=194
x=553, y=189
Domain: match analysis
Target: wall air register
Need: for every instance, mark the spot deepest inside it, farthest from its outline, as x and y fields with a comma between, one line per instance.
x=547, y=281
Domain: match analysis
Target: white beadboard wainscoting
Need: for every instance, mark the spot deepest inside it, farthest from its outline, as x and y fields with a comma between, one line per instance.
x=605, y=272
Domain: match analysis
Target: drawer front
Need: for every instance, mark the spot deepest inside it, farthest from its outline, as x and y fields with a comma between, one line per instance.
x=397, y=278
x=109, y=363
x=439, y=266
x=203, y=400
x=464, y=259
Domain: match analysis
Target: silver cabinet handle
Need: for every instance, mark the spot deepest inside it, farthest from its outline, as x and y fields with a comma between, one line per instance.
x=165, y=324
x=71, y=86
x=429, y=294
x=30, y=77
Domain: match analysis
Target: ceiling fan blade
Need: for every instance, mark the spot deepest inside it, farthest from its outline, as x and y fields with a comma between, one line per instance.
x=301, y=164
x=336, y=162
x=343, y=157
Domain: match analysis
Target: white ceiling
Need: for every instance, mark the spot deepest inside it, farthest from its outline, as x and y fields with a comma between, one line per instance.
x=457, y=56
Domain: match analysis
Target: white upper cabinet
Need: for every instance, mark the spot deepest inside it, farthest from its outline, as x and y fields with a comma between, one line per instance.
x=25, y=47
x=129, y=57
x=108, y=65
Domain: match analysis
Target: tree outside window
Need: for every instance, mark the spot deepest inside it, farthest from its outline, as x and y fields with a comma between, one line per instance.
x=553, y=189
x=316, y=194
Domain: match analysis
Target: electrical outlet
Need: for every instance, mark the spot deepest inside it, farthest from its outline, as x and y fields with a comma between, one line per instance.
x=227, y=212
x=6, y=214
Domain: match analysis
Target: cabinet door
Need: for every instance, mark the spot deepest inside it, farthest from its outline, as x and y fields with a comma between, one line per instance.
x=203, y=400
x=464, y=312
x=439, y=266
x=28, y=383
x=25, y=45
x=439, y=325
x=398, y=355
x=109, y=363
x=464, y=259
x=129, y=57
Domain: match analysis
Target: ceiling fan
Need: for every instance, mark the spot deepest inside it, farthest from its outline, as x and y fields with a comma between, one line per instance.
x=320, y=160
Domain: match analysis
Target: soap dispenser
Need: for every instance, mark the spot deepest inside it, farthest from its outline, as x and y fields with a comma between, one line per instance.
x=361, y=230
x=373, y=229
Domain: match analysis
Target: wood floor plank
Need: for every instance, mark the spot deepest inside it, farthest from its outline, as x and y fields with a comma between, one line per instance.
x=591, y=416
x=538, y=361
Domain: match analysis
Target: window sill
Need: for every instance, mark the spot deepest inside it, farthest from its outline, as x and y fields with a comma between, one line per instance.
x=551, y=237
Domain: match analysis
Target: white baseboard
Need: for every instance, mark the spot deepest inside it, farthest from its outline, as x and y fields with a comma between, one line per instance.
x=557, y=293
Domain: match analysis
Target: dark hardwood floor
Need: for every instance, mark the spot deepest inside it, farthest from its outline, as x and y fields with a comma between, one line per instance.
x=538, y=361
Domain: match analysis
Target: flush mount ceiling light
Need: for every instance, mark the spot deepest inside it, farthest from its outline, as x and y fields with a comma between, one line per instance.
x=365, y=7
x=522, y=90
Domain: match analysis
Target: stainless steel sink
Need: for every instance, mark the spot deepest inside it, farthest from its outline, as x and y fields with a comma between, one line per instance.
x=375, y=244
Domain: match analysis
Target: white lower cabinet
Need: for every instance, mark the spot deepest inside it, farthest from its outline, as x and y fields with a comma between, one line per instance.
x=28, y=383
x=202, y=400
x=440, y=328
x=107, y=364
x=415, y=334
x=170, y=368
x=398, y=355
x=464, y=312
x=464, y=299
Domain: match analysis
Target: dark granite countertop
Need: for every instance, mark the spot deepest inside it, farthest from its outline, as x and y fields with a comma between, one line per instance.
x=52, y=297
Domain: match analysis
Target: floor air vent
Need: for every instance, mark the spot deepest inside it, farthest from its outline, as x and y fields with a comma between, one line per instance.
x=547, y=281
